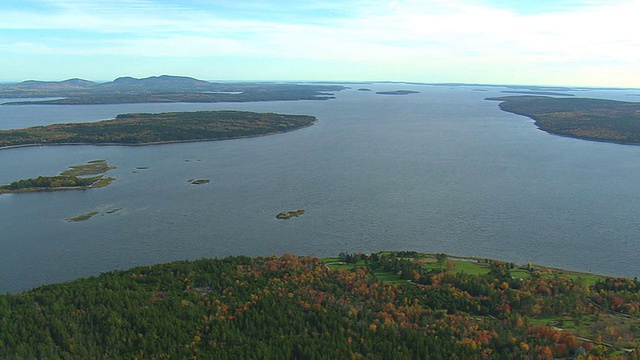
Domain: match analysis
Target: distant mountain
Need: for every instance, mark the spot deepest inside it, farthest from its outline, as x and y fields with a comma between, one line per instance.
x=153, y=84
x=159, y=89
x=157, y=83
x=69, y=84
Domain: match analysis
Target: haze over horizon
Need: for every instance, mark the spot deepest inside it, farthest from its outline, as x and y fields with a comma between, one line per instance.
x=555, y=43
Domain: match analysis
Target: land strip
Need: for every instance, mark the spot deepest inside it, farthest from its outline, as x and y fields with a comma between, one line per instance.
x=147, y=129
x=581, y=118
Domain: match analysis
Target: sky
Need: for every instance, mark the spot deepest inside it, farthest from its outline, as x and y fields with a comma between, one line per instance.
x=526, y=42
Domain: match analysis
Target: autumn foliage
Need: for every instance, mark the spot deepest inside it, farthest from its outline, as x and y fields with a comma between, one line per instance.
x=299, y=307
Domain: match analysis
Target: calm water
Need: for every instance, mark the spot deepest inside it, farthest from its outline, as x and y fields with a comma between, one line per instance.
x=438, y=171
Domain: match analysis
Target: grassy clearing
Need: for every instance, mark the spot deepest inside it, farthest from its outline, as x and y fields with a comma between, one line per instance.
x=468, y=267
x=389, y=278
x=589, y=279
x=335, y=263
x=610, y=329
x=93, y=167
x=385, y=277
x=476, y=266
x=520, y=273
x=471, y=266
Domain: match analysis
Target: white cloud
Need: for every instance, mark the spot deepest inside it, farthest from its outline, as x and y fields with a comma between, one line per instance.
x=410, y=34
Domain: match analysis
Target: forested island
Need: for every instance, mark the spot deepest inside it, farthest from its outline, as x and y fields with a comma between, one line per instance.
x=159, y=89
x=390, y=305
x=397, y=92
x=72, y=179
x=582, y=118
x=144, y=128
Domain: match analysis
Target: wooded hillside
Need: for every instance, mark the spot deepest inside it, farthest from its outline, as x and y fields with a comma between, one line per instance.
x=384, y=306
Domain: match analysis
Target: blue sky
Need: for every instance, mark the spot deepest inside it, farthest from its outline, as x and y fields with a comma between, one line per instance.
x=541, y=42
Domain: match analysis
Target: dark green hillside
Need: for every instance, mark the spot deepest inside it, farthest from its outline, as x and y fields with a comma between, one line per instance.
x=138, y=129
x=589, y=119
x=384, y=306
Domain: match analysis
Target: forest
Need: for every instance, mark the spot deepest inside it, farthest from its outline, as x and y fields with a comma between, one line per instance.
x=582, y=118
x=145, y=128
x=49, y=182
x=390, y=305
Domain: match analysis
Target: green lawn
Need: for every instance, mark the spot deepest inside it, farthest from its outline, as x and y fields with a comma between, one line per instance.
x=335, y=263
x=475, y=267
x=459, y=266
x=520, y=273
x=389, y=278
x=384, y=276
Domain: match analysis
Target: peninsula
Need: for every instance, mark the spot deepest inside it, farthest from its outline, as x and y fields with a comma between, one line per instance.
x=581, y=118
x=145, y=129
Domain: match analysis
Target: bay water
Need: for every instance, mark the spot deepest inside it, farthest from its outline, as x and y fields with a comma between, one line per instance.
x=443, y=170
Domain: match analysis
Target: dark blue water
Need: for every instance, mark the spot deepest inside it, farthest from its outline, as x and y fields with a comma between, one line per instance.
x=439, y=171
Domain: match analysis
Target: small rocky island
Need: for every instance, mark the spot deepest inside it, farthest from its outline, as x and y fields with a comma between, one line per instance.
x=198, y=181
x=289, y=214
x=83, y=217
x=77, y=177
x=89, y=215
